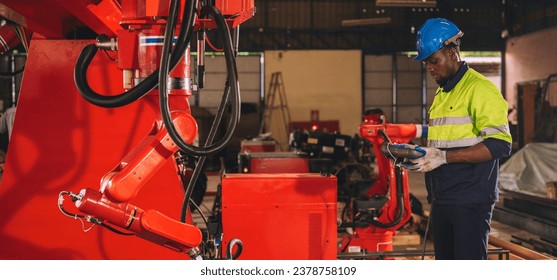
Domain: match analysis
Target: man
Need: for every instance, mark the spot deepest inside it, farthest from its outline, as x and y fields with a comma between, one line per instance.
x=468, y=134
x=7, y=121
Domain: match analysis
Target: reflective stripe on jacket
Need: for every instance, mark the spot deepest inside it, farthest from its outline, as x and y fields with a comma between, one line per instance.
x=469, y=113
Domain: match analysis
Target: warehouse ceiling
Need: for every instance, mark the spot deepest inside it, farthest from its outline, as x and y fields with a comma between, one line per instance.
x=374, y=26
x=387, y=26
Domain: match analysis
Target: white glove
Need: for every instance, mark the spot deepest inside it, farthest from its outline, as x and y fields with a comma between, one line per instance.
x=432, y=159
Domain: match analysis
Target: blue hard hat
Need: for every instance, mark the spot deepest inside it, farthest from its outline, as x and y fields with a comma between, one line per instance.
x=434, y=34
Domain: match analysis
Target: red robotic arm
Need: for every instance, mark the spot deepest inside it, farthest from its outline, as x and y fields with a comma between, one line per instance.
x=371, y=129
x=140, y=50
x=119, y=186
x=388, y=207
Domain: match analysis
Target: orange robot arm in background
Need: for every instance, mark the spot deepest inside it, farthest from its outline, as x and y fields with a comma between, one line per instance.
x=387, y=181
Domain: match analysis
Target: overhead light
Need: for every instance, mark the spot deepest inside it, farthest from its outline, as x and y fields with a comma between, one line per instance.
x=365, y=21
x=406, y=3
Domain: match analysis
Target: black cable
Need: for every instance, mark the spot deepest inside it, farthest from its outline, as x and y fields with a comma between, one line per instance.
x=426, y=231
x=200, y=213
x=11, y=74
x=400, y=202
x=232, y=84
x=201, y=161
x=20, y=34
x=399, y=190
x=210, y=137
x=109, y=57
x=141, y=89
x=122, y=99
x=96, y=221
x=240, y=245
x=164, y=69
x=209, y=147
x=432, y=188
x=165, y=107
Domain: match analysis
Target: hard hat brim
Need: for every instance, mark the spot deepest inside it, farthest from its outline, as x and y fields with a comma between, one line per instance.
x=422, y=57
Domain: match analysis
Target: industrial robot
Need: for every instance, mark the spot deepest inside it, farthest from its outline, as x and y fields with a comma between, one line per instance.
x=106, y=123
x=374, y=214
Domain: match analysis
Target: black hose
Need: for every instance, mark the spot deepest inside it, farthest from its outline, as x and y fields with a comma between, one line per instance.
x=234, y=241
x=399, y=191
x=122, y=99
x=232, y=87
x=210, y=138
x=426, y=232
x=141, y=89
x=201, y=161
x=164, y=69
x=400, y=202
x=11, y=74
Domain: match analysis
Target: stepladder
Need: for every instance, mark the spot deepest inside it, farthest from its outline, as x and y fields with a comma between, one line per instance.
x=276, y=103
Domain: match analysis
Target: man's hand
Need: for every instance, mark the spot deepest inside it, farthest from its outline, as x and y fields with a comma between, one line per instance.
x=432, y=159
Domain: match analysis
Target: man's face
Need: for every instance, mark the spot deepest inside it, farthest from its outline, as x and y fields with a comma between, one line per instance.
x=442, y=65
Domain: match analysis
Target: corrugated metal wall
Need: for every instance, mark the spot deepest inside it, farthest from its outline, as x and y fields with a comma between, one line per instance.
x=249, y=74
x=396, y=84
x=10, y=83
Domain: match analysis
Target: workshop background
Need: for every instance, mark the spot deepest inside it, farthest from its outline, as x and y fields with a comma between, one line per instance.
x=322, y=63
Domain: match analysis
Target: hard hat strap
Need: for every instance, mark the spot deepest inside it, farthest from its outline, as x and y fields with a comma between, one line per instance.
x=454, y=39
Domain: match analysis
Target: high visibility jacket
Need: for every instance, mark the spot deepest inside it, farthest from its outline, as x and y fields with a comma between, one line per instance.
x=472, y=111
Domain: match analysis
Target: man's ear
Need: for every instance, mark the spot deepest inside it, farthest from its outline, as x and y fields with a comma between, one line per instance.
x=453, y=53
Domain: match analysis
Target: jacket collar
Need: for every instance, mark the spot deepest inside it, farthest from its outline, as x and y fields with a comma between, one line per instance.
x=459, y=74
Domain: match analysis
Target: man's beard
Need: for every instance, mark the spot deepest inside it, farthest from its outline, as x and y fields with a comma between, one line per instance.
x=442, y=81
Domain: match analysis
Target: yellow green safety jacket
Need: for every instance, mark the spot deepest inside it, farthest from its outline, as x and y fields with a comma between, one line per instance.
x=468, y=111
x=471, y=112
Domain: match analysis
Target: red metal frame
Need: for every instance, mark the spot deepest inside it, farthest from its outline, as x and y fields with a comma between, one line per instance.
x=106, y=16
x=56, y=19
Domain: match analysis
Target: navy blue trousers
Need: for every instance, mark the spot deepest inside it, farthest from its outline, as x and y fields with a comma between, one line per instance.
x=461, y=231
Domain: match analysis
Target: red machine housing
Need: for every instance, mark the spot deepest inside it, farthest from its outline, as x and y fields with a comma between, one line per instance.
x=279, y=162
x=258, y=146
x=291, y=216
